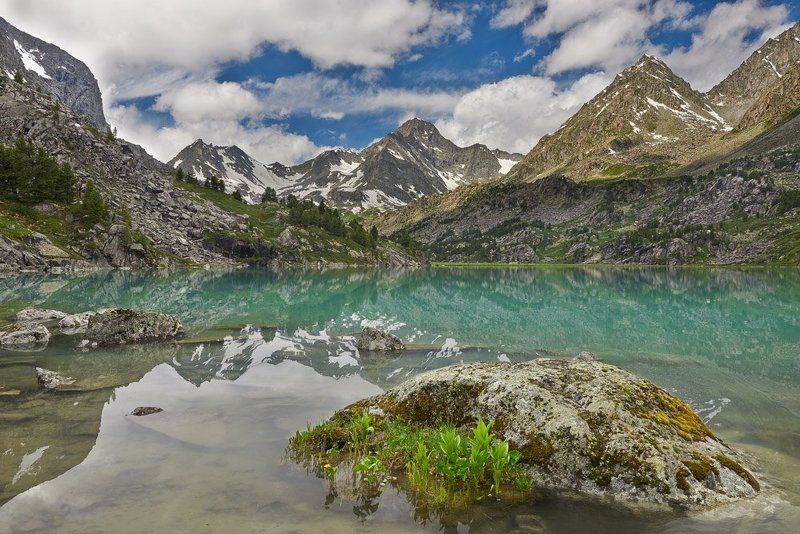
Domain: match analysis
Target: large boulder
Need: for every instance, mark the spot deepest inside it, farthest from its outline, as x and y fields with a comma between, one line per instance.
x=120, y=326
x=24, y=335
x=581, y=426
x=373, y=340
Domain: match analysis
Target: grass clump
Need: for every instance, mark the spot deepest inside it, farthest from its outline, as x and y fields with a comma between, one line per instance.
x=441, y=467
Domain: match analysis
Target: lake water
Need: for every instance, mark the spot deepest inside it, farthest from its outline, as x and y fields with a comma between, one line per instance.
x=726, y=341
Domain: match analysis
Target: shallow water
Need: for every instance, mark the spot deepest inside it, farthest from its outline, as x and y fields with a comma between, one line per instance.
x=727, y=341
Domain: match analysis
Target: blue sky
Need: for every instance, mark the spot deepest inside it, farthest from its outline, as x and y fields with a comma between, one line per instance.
x=285, y=80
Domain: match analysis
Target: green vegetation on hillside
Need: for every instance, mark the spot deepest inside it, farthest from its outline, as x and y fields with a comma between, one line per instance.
x=30, y=176
x=322, y=233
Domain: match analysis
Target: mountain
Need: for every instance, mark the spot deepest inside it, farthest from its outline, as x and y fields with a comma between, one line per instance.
x=734, y=95
x=644, y=121
x=237, y=169
x=413, y=161
x=151, y=220
x=43, y=64
x=726, y=190
x=775, y=101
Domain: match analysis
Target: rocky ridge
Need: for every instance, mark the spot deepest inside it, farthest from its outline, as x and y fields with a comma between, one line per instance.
x=48, y=66
x=744, y=212
x=170, y=221
x=644, y=121
x=734, y=95
x=238, y=170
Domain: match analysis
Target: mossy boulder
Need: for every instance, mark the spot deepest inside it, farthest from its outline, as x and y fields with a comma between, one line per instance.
x=582, y=426
x=120, y=326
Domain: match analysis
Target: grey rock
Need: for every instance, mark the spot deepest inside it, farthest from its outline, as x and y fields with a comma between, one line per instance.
x=373, y=340
x=586, y=356
x=24, y=336
x=51, y=380
x=121, y=326
x=582, y=426
x=75, y=323
x=39, y=316
x=287, y=239
x=67, y=78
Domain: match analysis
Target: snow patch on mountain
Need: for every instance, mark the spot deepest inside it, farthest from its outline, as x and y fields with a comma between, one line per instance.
x=30, y=61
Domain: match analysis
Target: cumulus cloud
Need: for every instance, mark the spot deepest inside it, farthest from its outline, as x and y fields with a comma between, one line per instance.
x=514, y=113
x=266, y=142
x=608, y=34
x=721, y=42
x=136, y=50
x=330, y=97
x=197, y=102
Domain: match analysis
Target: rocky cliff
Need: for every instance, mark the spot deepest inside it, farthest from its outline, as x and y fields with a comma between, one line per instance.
x=43, y=64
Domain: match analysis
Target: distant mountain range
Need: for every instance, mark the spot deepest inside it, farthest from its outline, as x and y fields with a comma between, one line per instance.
x=68, y=79
x=413, y=161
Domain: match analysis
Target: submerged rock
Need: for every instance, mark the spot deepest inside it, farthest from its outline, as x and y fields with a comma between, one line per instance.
x=120, y=326
x=374, y=340
x=586, y=356
x=581, y=426
x=24, y=335
x=146, y=410
x=51, y=380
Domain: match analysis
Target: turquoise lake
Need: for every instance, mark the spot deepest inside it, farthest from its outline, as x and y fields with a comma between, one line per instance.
x=270, y=353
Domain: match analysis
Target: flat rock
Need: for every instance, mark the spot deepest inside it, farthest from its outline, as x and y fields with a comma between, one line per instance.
x=374, y=340
x=121, y=326
x=24, y=335
x=582, y=426
x=39, y=316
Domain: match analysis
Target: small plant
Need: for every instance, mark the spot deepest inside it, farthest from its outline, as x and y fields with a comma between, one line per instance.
x=370, y=468
x=451, y=449
x=418, y=468
x=330, y=471
x=479, y=451
x=502, y=458
x=361, y=428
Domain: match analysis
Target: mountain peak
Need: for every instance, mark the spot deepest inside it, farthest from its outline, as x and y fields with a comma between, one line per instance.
x=414, y=126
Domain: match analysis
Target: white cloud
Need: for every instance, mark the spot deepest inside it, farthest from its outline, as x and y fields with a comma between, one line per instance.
x=267, y=143
x=721, y=43
x=607, y=34
x=196, y=102
x=137, y=50
x=514, y=113
x=329, y=97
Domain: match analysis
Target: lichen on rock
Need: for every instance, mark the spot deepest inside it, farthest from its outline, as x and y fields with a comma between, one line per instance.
x=582, y=426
